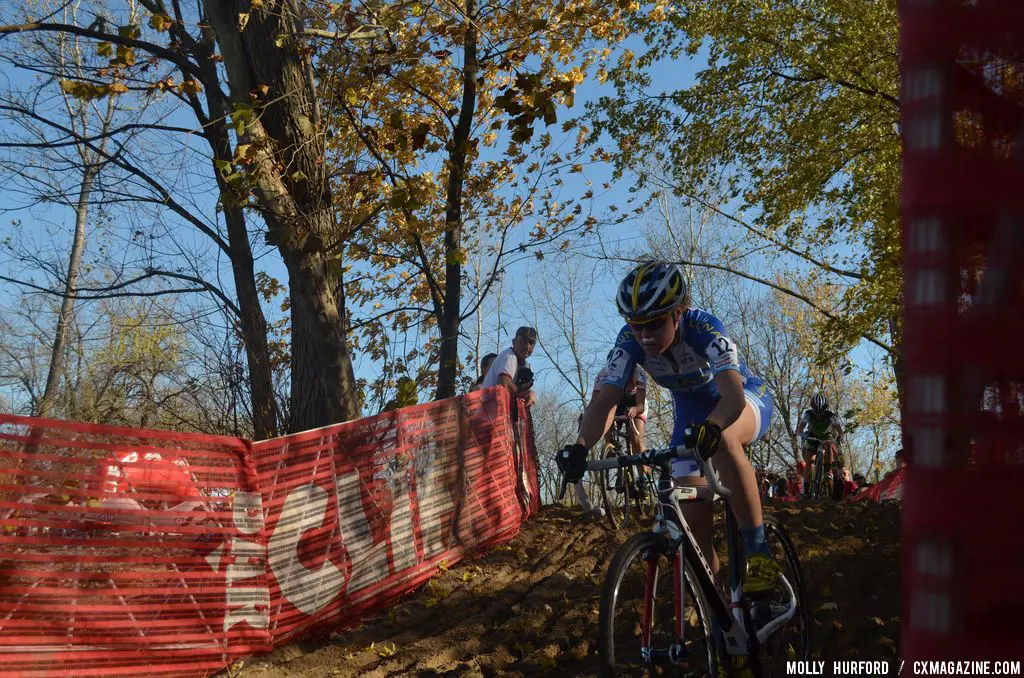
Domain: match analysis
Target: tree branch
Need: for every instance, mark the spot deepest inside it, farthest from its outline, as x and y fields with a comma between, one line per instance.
x=156, y=50
x=116, y=159
x=762, y=281
x=803, y=255
x=400, y=309
x=108, y=291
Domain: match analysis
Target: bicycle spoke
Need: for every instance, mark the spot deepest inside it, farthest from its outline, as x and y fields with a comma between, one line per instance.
x=615, y=491
x=622, y=616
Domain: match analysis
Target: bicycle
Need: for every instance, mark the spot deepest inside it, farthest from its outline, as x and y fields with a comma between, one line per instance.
x=639, y=633
x=626, y=491
x=822, y=482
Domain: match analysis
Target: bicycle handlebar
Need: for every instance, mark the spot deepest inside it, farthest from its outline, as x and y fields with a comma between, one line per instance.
x=656, y=457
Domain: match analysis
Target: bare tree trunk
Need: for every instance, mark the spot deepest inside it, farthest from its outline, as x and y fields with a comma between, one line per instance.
x=70, y=58
x=458, y=162
x=252, y=321
x=292, y=188
x=898, y=368
x=67, y=306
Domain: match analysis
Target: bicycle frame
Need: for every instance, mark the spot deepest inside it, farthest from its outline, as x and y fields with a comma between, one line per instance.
x=621, y=422
x=826, y=448
x=679, y=542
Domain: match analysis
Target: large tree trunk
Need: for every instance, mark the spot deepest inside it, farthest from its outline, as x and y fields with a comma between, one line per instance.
x=458, y=162
x=289, y=179
x=67, y=306
x=252, y=321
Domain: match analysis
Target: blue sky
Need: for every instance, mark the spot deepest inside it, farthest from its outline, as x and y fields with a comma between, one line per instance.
x=601, y=329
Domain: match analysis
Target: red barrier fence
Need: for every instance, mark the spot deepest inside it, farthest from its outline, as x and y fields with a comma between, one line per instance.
x=125, y=552
x=962, y=208
x=889, y=488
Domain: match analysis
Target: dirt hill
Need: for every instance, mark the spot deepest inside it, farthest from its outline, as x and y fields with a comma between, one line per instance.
x=530, y=607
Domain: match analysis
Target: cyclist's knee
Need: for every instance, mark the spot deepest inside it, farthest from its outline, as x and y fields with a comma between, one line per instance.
x=742, y=432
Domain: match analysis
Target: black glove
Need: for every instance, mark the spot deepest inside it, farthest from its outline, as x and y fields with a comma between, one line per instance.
x=572, y=462
x=704, y=438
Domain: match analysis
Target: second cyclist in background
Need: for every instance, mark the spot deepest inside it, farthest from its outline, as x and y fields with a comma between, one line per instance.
x=817, y=425
x=632, y=407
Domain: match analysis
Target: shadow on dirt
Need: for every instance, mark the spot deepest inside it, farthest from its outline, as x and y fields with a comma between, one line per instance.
x=530, y=607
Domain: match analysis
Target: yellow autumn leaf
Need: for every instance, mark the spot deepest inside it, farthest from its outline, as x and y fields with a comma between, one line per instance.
x=160, y=22
x=190, y=86
x=125, y=55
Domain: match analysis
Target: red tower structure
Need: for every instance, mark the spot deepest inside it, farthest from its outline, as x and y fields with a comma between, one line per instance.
x=962, y=204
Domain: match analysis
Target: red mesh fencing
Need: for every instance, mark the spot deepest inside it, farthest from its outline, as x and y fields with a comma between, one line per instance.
x=362, y=512
x=105, y=535
x=889, y=488
x=962, y=207
x=128, y=552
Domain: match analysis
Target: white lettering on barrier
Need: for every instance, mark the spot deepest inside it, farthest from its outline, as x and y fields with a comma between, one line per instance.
x=403, y=541
x=369, y=561
x=308, y=590
x=254, y=601
x=435, y=503
x=304, y=509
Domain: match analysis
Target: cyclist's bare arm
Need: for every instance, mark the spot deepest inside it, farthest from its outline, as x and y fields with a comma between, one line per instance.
x=599, y=414
x=801, y=426
x=730, y=405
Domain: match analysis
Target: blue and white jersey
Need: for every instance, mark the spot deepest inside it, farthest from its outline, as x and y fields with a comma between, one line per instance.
x=689, y=366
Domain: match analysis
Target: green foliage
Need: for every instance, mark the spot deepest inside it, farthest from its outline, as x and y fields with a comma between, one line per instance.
x=394, y=136
x=792, y=119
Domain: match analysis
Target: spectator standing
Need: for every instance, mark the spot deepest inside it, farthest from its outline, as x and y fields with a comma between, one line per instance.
x=848, y=485
x=781, y=487
x=485, y=365
x=510, y=368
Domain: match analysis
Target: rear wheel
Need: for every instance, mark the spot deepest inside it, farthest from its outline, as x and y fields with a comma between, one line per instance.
x=639, y=566
x=792, y=642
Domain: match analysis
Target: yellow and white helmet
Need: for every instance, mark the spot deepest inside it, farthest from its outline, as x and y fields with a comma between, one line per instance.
x=651, y=289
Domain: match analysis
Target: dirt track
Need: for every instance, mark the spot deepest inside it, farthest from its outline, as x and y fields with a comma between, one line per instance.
x=530, y=608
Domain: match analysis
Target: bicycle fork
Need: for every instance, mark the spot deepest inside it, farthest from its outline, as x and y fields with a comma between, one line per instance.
x=676, y=652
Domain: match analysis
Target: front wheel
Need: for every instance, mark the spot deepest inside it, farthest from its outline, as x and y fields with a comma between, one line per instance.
x=616, y=486
x=637, y=571
x=818, y=475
